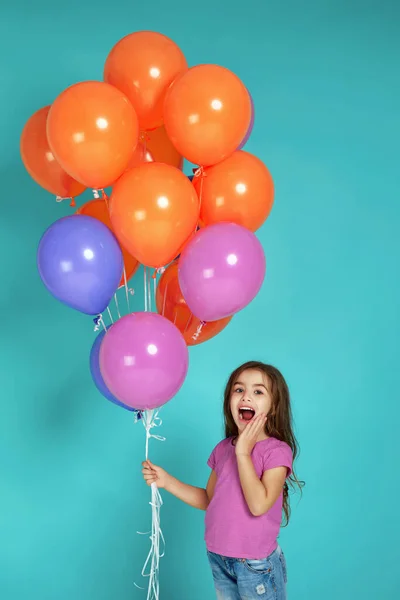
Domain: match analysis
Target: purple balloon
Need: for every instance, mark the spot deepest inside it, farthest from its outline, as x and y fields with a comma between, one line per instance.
x=221, y=270
x=96, y=374
x=80, y=262
x=250, y=129
x=144, y=360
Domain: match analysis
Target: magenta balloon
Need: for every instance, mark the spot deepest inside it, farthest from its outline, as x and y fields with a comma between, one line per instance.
x=143, y=360
x=221, y=270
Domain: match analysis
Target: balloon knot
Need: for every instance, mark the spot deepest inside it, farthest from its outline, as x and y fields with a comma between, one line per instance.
x=144, y=137
x=160, y=270
x=104, y=196
x=96, y=194
x=72, y=203
x=131, y=291
x=198, y=331
x=61, y=198
x=97, y=322
x=199, y=172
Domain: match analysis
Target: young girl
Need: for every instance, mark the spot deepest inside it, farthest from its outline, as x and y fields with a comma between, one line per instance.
x=247, y=489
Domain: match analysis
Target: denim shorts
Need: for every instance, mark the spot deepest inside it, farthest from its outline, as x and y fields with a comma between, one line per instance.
x=242, y=579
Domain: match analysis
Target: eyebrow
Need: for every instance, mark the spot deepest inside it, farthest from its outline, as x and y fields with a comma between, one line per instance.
x=254, y=384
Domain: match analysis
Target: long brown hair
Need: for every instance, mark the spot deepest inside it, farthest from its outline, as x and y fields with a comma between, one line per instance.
x=279, y=423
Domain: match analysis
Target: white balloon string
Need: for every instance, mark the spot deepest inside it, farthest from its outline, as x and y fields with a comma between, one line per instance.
x=152, y=564
x=149, y=290
x=165, y=299
x=96, y=194
x=188, y=322
x=98, y=322
x=126, y=291
x=198, y=331
x=110, y=315
x=117, y=306
x=145, y=288
x=200, y=173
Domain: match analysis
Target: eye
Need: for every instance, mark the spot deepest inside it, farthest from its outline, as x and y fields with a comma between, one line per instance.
x=259, y=392
x=238, y=390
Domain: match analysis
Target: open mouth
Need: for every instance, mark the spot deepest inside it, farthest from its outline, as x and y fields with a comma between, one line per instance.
x=246, y=413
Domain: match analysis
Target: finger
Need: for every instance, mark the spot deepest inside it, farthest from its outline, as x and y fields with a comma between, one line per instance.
x=150, y=478
x=256, y=425
x=253, y=423
x=147, y=471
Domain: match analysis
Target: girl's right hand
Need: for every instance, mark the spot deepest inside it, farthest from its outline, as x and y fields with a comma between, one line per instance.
x=154, y=474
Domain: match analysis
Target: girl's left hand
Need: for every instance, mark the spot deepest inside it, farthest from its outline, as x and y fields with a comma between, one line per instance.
x=248, y=438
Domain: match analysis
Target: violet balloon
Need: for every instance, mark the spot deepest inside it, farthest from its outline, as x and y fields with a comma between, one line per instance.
x=80, y=262
x=144, y=360
x=221, y=270
x=96, y=374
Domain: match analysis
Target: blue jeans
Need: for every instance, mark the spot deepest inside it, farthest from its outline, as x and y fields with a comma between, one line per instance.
x=242, y=579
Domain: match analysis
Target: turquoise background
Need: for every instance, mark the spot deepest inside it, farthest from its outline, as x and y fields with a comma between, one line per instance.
x=325, y=82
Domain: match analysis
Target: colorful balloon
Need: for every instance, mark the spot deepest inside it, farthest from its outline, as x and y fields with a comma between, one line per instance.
x=98, y=210
x=140, y=156
x=162, y=149
x=39, y=160
x=207, y=112
x=154, y=210
x=221, y=270
x=238, y=190
x=143, y=65
x=144, y=360
x=80, y=263
x=171, y=305
x=93, y=131
x=250, y=129
x=96, y=374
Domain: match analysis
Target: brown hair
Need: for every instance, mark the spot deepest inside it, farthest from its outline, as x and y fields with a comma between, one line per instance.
x=279, y=423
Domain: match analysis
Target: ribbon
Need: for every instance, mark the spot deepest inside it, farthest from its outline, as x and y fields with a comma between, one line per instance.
x=151, y=566
x=198, y=331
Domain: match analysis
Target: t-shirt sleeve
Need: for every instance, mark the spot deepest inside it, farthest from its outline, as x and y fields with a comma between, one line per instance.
x=279, y=456
x=212, y=461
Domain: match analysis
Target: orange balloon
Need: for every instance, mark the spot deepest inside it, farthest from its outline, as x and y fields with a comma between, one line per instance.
x=143, y=65
x=154, y=209
x=93, y=131
x=39, y=160
x=98, y=210
x=207, y=112
x=171, y=304
x=162, y=149
x=239, y=190
x=141, y=155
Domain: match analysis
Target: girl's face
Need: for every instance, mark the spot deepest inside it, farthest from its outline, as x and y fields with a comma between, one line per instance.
x=250, y=396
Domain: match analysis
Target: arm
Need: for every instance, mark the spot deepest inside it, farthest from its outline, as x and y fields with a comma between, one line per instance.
x=197, y=497
x=260, y=495
x=194, y=496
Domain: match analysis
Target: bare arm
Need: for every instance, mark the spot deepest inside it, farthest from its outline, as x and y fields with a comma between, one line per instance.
x=260, y=495
x=197, y=497
x=194, y=496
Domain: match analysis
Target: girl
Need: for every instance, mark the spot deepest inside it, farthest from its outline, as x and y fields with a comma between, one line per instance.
x=248, y=486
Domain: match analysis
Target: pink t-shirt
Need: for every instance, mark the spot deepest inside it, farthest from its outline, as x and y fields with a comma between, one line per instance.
x=231, y=529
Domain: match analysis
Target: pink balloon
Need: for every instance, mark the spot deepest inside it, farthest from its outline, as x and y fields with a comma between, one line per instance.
x=143, y=360
x=221, y=270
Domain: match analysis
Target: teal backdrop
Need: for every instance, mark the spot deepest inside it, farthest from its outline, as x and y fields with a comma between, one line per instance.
x=325, y=82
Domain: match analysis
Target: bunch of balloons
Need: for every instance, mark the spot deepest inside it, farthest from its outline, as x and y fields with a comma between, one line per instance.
x=130, y=133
